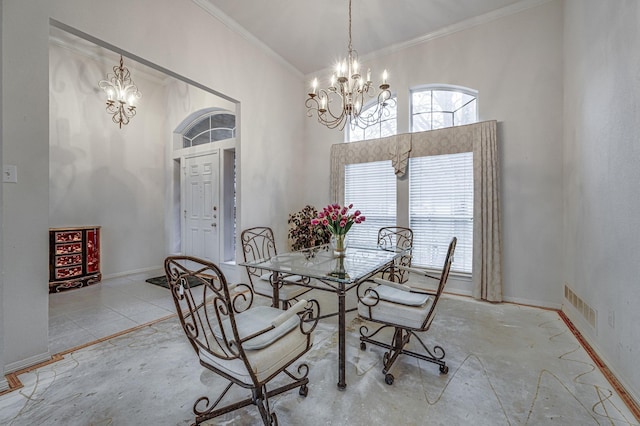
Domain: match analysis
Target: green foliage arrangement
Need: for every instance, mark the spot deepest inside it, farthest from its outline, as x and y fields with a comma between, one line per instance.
x=302, y=233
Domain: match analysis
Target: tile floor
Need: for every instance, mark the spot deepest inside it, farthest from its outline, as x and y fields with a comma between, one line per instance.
x=80, y=316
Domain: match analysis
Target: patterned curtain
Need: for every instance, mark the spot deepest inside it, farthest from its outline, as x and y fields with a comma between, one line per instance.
x=479, y=138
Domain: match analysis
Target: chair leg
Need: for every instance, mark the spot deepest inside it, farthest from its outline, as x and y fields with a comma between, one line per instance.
x=204, y=410
x=400, y=339
x=209, y=411
x=261, y=395
x=261, y=400
x=435, y=356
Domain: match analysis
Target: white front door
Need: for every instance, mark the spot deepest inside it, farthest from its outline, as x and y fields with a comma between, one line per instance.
x=202, y=207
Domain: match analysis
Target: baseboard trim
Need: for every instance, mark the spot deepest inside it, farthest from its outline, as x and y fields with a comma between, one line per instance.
x=534, y=303
x=27, y=362
x=626, y=397
x=136, y=271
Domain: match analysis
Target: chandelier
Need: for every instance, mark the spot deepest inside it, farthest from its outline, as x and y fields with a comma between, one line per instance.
x=347, y=94
x=121, y=94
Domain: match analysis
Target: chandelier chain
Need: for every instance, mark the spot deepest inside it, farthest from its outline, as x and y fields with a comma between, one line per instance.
x=344, y=99
x=350, y=46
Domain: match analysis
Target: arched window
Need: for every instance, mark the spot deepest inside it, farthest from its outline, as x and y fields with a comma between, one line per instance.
x=212, y=127
x=387, y=126
x=437, y=107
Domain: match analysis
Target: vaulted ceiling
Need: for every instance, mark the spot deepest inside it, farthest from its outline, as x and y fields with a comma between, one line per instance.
x=311, y=35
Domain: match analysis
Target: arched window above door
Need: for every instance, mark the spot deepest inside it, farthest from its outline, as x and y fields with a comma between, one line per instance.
x=212, y=126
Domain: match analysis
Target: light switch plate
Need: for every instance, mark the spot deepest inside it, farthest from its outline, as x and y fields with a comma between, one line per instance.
x=9, y=174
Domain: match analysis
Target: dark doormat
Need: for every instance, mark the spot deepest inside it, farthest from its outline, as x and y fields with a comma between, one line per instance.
x=162, y=281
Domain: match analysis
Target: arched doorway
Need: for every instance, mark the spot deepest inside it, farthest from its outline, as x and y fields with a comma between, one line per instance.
x=204, y=177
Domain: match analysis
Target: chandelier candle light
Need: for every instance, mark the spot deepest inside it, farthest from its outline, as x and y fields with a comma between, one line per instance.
x=121, y=94
x=346, y=95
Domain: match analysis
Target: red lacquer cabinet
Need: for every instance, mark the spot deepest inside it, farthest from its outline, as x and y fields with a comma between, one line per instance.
x=74, y=257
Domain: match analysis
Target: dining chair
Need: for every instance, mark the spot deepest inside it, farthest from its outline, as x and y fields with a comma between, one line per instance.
x=390, y=237
x=245, y=345
x=259, y=243
x=408, y=310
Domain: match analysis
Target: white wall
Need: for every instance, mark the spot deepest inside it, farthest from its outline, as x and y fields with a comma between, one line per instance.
x=601, y=173
x=104, y=175
x=3, y=382
x=515, y=63
x=179, y=36
x=25, y=143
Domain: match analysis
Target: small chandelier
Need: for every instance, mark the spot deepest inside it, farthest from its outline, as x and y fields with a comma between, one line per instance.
x=345, y=97
x=121, y=94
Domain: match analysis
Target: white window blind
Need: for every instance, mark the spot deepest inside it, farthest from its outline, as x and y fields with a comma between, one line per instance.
x=371, y=188
x=441, y=207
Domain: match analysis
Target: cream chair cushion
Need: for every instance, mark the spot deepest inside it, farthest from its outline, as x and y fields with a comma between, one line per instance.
x=252, y=321
x=410, y=315
x=272, y=350
x=403, y=297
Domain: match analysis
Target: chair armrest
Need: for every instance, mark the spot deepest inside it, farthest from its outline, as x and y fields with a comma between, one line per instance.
x=295, y=309
x=416, y=271
x=395, y=285
x=402, y=287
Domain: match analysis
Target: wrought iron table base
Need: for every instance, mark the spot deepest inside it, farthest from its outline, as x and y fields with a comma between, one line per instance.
x=341, y=292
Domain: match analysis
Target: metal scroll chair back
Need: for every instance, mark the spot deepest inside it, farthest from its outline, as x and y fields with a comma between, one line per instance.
x=259, y=243
x=390, y=237
x=407, y=310
x=444, y=276
x=246, y=345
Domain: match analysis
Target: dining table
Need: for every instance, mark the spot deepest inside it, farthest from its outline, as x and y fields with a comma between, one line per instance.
x=327, y=270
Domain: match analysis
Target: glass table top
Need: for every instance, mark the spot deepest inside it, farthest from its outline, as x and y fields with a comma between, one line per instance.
x=321, y=263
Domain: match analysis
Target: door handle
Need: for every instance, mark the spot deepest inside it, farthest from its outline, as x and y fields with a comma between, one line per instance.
x=214, y=225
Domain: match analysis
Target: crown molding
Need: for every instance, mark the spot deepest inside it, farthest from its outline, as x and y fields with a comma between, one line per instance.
x=240, y=30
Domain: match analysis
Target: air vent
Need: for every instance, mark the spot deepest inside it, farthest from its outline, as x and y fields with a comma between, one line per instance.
x=581, y=306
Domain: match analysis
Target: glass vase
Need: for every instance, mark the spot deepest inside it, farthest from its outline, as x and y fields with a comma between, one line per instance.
x=339, y=243
x=339, y=270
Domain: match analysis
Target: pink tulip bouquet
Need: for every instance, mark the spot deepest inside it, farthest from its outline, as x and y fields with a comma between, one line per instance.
x=337, y=219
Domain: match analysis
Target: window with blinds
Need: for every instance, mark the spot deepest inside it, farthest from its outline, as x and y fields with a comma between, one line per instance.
x=371, y=188
x=440, y=187
x=441, y=207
